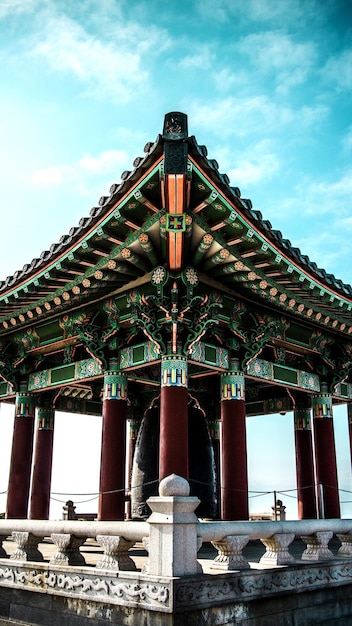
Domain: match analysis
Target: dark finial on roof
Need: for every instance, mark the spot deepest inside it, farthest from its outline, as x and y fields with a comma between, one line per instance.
x=175, y=126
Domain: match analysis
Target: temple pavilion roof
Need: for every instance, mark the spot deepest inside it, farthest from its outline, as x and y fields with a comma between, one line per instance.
x=124, y=238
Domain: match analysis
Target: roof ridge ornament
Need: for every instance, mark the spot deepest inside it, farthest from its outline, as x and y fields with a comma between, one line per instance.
x=175, y=126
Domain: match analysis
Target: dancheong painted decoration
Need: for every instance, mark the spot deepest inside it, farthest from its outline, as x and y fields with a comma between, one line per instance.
x=175, y=311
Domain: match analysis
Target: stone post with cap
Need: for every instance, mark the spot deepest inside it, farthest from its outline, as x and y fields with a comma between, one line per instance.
x=173, y=543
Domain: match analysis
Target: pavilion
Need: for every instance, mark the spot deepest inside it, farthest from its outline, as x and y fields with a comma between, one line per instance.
x=174, y=311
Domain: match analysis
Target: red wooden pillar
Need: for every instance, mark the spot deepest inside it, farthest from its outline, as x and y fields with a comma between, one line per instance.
x=234, y=447
x=306, y=493
x=21, y=457
x=43, y=459
x=325, y=455
x=173, y=450
x=113, y=448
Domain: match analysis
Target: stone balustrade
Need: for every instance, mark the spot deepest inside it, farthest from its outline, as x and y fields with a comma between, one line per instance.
x=276, y=537
x=173, y=536
x=115, y=539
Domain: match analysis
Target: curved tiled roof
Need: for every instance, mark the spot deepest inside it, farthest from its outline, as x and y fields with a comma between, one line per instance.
x=128, y=179
x=105, y=252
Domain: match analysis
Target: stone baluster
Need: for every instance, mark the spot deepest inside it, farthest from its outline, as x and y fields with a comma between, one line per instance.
x=27, y=547
x=115, y=555
x=277, y=549
x=230, y=555
x=317, y=546
x=68, y=552
x=345, y=549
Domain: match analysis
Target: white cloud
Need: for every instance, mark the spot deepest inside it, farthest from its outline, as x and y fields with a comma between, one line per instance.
x=201, y=59
x=50, y=176
x=243, y=117
x=289, y=12
x=347, y=140
x=318, y=207
x=114, y=66
x=257, y=165
x=18, y=7
x=225, y=79
x=274, y=52
x=107, y=162
x=261, y=11
x=335, y=198
x=338, y=70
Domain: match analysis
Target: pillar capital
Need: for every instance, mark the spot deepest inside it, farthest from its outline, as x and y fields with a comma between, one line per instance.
x=232, y=385
x=25, y=404
x=322, y=404
x=302, y=419
x=45, y=418
x=174, y=371
x=115, y=385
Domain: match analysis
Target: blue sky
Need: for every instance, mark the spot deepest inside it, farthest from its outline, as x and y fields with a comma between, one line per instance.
x=266, y=85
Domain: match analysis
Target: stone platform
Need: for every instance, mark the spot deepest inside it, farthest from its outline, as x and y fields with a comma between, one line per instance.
x=176, y=570
x=294, y=595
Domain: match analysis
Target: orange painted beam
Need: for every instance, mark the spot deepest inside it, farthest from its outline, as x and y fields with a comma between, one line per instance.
x=175, y=206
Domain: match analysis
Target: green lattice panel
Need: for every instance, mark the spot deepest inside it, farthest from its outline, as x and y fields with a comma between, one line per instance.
x=4, y=389
x=62, y=374
x=285, y=374
x=210, y=355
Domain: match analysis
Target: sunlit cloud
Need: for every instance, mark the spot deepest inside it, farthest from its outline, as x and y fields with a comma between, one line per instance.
x=200, y=59
x=334, y=197
x=338, y=70
x=276, y=53
x=268, y=11
x=347, y=139
x=18, y=7
x=260, y=11
x=107, y=162
x=113, y=67
x=226, y=79
x=323, y=204
x=259, y=163
x=252, y=115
